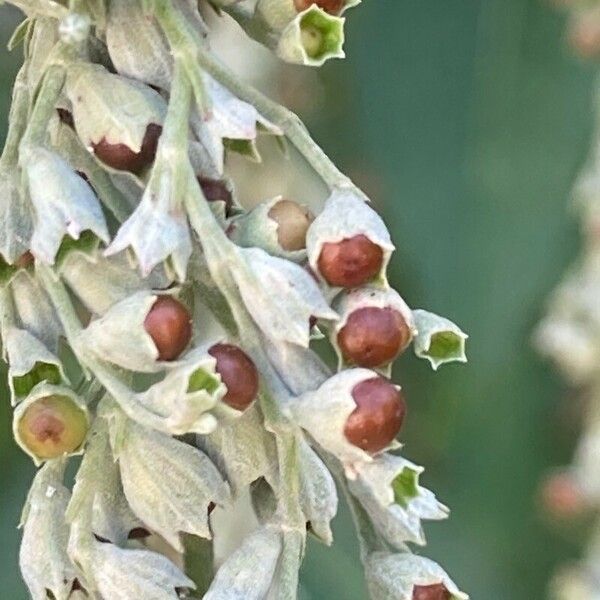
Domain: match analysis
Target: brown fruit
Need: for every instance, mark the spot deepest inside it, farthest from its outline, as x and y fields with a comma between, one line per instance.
x=66, y=117
x=293, y=221
x=351, y=262
x=169, y=325
x=373, y=336
x=123, y=158
x=561, y=496
x=378, y=417
x=437, y=591
x=215, y=190
x=238, y=373
x=333, y=7
x=52, y=426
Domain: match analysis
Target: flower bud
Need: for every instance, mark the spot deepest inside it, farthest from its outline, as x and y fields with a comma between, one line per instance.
x=436, y=591
x=119, y=119
x=378, y=417
x=348, y=244
x=278, y=226
x=238, y=373
x=375, y=326
x=50, y=425
x=169, y=325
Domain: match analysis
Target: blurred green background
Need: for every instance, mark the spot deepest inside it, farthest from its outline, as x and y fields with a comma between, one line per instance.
x=468, y=120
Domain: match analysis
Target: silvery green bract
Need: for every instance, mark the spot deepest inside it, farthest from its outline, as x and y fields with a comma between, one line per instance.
x=85, y=252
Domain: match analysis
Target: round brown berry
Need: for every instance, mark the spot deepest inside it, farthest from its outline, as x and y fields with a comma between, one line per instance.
x=333, y=7
x=53, y=426
x=378, y=416
x=169, y=325
x=215, y=190
x=238, y=373
x=351, y=262
x=437, y=591
x=123, y=158
x=293, y=221
x=373, y=336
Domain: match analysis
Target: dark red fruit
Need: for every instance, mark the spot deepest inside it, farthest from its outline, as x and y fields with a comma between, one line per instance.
x=215, y=190
x=138, y=533
x=378, y=417
x=169, y=325
x=238, y=373
x=351, y=262
x=293, y=221
x=437, y=591
x=373, y=336
x=333, y=7
x=123, y=158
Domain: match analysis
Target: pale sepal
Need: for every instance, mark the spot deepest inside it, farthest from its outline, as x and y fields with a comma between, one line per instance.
x=16, y=223
x=388, y=489
x=438, y=340
x=248, y=573
x=394, y=576
x=43, y=557
x=318, y=496
x=294, y=296
x=176, y=501
x=346, y=215
x=111, y=108
x=30, y=362
x=242, y=450
x=64, y=204
x=312, y=38
x=323, y=414
x=98, y=489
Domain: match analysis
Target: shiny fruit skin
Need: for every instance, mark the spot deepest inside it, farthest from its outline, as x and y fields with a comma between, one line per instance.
x=52, y=427
x=238, y=373
x=169, y=325
x=431, y=592
x=378, y=416
x=373, y=336
x=122, y=158
x=350, y=262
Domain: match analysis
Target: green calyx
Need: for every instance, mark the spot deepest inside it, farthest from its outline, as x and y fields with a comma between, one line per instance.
x=23, y=384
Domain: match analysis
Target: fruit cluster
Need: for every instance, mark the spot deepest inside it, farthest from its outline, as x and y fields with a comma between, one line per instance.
x=165, y=333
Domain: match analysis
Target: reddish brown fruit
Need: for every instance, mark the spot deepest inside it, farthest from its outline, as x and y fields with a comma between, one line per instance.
x=333, y=7
x=170, y=326
x=351, y=262
x=437, y=591
x=123, y=158
x=373, y=336
x=238, y=373
x=215, y=190
x=293, y=221
x=53, y=426
x=378, y=417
